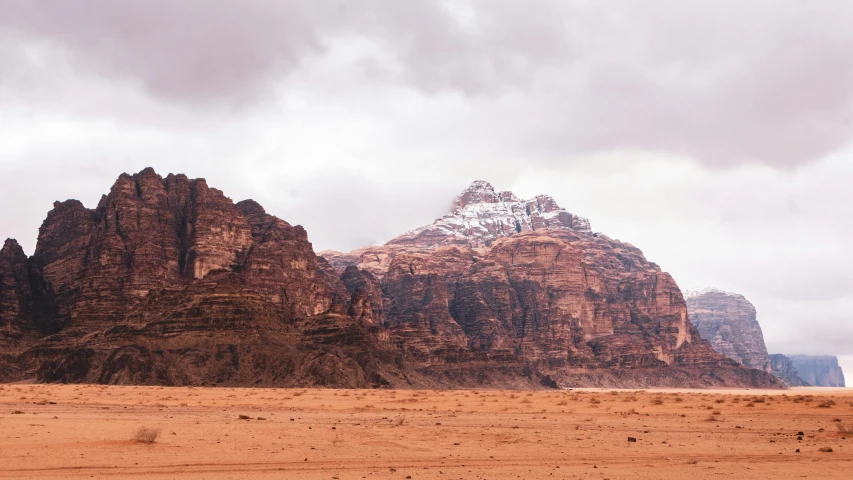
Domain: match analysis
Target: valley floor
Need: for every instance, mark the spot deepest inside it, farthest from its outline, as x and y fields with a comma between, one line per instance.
x=86, y=431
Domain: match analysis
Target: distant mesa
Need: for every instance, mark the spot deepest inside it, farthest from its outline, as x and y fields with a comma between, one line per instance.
x=728, y=321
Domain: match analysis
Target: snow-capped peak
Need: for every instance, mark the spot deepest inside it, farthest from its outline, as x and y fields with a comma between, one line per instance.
x=695, y=293
x=480, y=215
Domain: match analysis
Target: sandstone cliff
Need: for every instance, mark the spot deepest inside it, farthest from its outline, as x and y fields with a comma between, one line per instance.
x=783, y=368
x=728, y=322
x=167, y=281
x=819, y=370
x=554, y=295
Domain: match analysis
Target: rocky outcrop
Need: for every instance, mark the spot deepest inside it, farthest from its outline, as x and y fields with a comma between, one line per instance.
x=167, y=281
x=554, y=296
x=480, y=216
x=728, y=322
x=819, y=370
x=783, y=368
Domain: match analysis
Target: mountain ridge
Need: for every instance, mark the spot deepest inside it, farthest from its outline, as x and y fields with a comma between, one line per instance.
x=167, y=281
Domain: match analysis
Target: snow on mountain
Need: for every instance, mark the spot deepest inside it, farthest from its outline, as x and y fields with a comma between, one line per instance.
x=480, y=216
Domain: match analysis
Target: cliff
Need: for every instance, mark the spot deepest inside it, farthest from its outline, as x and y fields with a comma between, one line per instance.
x=167, y=281
x=819, y=370
x=728, y=322
x=783, y=368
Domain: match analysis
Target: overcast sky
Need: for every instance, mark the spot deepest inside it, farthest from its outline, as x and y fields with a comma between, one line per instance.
x=716, y=136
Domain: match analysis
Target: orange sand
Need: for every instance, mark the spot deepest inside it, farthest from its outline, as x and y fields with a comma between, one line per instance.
x=88, y=432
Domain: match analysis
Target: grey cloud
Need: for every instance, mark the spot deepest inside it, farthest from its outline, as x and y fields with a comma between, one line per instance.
x=726, y=82
x=362, y=118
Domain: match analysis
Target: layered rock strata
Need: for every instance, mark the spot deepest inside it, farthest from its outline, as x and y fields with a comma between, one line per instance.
x=728, y=322
x=167, y=281
x=783, y=368
x=819, y=370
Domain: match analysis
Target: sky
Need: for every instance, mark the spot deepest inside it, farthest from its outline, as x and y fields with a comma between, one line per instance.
x=717, y=136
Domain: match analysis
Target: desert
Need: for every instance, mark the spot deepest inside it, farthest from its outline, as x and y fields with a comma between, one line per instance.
x=90, y=431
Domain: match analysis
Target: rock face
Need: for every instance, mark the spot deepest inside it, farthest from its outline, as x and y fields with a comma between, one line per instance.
x=548, y=293
x=819, y=370
x=728, y=322
x=480, y=216
x=783, y=368
x=167, y=281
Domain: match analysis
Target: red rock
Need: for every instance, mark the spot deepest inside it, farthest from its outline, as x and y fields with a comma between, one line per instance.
x=168, y=282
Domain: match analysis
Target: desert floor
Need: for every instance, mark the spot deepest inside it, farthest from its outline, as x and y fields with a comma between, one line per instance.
x=87, y=431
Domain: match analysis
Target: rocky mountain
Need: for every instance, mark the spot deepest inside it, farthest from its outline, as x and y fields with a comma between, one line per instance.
x=167, y=281
x=546, y=291
x=819, y=370
x=480, y=216
x=784, y=369
x=728, y=322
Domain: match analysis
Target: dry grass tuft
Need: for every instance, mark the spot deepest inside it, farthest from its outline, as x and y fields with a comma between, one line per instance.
x=147, y=435
x=842, y=428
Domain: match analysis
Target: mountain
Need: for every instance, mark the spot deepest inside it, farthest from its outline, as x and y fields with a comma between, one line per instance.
x=167, y=281
x=819, y=370
x=525, y=280
x=480, y=216
x=784, y=369
x=728, y=321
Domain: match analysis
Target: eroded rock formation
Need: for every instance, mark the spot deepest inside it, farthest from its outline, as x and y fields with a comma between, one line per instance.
x=728, y=322
x=167, y=281
x=783, y=368
x=819, y=370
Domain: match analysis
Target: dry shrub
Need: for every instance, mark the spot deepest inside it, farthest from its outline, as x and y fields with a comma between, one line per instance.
x=400, y=421
x=825, y=449
x=657, y=401
x=146, y=435
x=712, y=418
x=750, y=404
x=826, y=404
x=842, y=428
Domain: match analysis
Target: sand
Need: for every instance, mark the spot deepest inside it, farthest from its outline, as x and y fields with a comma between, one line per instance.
x=87, y=431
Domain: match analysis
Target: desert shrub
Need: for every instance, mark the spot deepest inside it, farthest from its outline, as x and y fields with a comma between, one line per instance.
x=825, y=449
x=146, y=435
x=826, y=404
x=657, y=401
x=842, y=428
